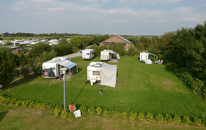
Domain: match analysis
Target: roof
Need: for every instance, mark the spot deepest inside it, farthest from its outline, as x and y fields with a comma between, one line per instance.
x=123, y=38
x=67, y=64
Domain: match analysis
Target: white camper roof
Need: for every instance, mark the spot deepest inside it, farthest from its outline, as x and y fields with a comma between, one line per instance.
x=88, y=50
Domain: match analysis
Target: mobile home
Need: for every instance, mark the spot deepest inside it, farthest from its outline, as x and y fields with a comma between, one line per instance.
x=103, y=73
x=144, y=57
x=87, y=54
x=52, y=68
x=107, y=55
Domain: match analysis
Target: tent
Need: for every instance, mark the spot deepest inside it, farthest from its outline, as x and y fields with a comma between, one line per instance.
x=108, y=75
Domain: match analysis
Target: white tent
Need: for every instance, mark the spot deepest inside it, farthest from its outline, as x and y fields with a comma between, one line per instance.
x=108, y=75
x=107, y=55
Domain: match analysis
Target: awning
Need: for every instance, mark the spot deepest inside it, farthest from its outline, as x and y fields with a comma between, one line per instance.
x=67, y=64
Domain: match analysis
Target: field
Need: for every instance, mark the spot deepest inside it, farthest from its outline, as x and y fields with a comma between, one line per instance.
x=140, y=87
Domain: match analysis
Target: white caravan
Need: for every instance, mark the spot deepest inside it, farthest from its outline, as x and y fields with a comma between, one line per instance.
x=52, y=68
x=106, y=55
x=103, y=73
x=144, y=57
x=53, y=42
x=87, y=54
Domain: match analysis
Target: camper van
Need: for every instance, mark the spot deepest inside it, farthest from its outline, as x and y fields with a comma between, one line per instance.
x=107, y=55
x=88, y=54
x=52, y=68
x=102, y=73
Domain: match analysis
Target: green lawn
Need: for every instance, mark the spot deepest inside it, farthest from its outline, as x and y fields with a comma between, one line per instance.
x=140, y=87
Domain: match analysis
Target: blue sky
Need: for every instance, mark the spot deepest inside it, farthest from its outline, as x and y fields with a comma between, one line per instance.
x=124, y=17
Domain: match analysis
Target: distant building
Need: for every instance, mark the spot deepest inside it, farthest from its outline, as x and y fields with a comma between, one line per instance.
x=16, y=49
x=117, y=39
x=6, y=34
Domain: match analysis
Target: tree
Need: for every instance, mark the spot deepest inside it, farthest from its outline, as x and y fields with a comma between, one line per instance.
x=132, y=50
x=64, y=47
x=38, y=49
x=7, y=66
x=77, y=42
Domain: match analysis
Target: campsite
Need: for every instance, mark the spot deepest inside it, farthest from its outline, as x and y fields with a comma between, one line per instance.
x=140, y=88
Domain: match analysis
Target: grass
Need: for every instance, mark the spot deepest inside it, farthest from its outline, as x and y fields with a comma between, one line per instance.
x=140, y=87
x=24, y=119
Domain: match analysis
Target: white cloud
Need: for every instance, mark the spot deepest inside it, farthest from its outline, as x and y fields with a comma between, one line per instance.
x=183, y=10
x=195, y=18
x=106, y=1
x=20, y=5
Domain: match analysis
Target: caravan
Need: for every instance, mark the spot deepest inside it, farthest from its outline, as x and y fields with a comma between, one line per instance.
x=52, y=68
x=107, y=55
x=103, y=73
x=144, y=57
x=88, y=54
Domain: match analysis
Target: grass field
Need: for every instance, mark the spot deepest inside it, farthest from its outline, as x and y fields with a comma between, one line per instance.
x=140, y=87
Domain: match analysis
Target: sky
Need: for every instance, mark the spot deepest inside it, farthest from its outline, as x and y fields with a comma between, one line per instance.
x=123, y=17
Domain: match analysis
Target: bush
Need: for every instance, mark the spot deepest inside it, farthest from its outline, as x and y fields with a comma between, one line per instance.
x=83, y=110
x=71, y=116
x=31, y=104
x=177, y=119
x=132, y=50
x=141, y=116
x=38, y=49
x=91, y=110
x=159, y=118
x=198, y=121
x=133, y=115
x=124, y=115
x=64, y=114
x=57, y=111
x=24, y=103
x=18, y=103
x=149, y=117
x=115, y=114
x=43, y=105
x=25, y=71
x=99, y=110
x=106, y=112
x=186, y=120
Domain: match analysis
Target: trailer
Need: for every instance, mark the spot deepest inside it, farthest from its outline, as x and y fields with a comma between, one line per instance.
x=144, y=57
x=107, y=55
x=102, y=73
x=87, y=54
x=52, y=68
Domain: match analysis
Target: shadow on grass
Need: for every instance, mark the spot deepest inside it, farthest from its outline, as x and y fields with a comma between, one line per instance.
x=80, y=92
x=2, y=115
x=21, y=81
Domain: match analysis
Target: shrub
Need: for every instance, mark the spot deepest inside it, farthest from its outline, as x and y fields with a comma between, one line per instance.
x=159, y=118
x=12, y=101
x=91, y=110
x=18, y=103
x=71, y=116
x=106, y=112
x=177, y=119
x=124, y=115
x=50, y=106
x=99, y=110
x=83, y=110
x=64, y=114
x=115, y=114
x=132, y=50
x=57, y=111
x=133, y=115
x=25, y=71
x=186, y=120
x=149, y=117
x=43, y=105
x=31, y=104
x=141, y=116
x=37, y=105
x=169, y=120
x=198, y=121
x=24, y=103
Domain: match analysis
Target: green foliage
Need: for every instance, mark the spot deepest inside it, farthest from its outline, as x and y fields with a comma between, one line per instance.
x=186, y=120
x=133, y=115
x=83, y=110
x=31, y=104
x=43, y=105
x=149, y=117
x=65, y=47
x=76, y=42
x=132, y=50
x=115, y=114
x=18, y=103
x=71, y=116
x=99, y=110
x=38, y=105
x=91, y=110
x=57, y=111
x=159, y=118
x=50, y=106
x=141, y=116
x=38, y=49
x=24, y=103
x=25, y=71
x=7, y=66
x=124, y=115
x=64, y=114
x=36, y=63
x=106, y=112
x=97, y=49
x=169, y=120
x=198, y=121
x=177, y=119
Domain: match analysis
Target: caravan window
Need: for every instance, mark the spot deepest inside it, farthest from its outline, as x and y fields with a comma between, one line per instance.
x=87, y=53
x=96, y=72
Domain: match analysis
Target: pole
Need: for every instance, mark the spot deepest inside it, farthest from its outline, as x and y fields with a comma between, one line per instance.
x=64, y=94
